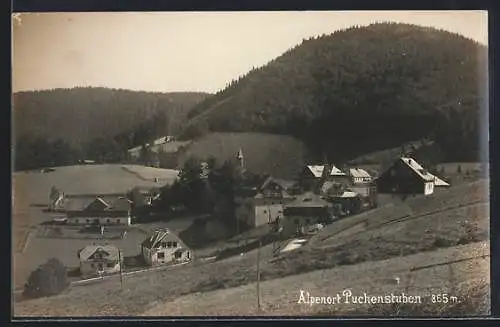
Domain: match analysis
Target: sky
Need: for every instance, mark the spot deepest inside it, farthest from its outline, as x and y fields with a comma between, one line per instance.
x=182, y=51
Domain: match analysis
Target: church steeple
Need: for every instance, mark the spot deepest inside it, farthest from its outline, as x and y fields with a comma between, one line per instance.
x=241, y=159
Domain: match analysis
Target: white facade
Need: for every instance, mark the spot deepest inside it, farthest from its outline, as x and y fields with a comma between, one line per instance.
x=125, y=221
x=428, y=188
x=363, y=190
x=168, y=253
x=88, y=268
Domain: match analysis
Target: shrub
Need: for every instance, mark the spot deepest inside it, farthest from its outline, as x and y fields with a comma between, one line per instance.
x=47, y=280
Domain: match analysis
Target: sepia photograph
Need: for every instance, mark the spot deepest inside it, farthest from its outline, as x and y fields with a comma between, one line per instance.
x=250, y=164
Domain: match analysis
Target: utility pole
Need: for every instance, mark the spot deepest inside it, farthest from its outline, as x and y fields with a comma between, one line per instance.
x=120, y=263
x=258, y=275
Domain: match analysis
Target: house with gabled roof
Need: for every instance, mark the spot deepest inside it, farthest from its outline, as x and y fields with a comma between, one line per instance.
x=98, y=209
x=359, y=176
x=438, y=182
x=313, y=177
x=305, y=210
x=164, y=247
x=261, y=201
x=406, y=176
x=99, y=259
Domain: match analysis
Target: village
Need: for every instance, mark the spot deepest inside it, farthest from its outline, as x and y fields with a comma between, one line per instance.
x=285, y=213
x=241, y=163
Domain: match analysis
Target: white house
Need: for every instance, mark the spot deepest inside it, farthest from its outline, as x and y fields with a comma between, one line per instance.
x=406, y=176
x=134, y=152
x=100, y=209
x=164, y=247
x=99, y=259
x=359, y=176
x=262, y=204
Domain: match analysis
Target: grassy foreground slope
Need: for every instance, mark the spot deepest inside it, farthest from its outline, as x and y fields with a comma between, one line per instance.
x=451, y=218
x=459, y=271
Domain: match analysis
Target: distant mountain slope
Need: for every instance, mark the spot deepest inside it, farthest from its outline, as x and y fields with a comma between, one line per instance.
x=62, y=126
x=81, y=114
x=279, y=155
x=361, y=90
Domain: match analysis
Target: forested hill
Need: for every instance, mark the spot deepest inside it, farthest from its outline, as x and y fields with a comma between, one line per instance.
x=360, y=90
x=83, y=113
x=92, y=121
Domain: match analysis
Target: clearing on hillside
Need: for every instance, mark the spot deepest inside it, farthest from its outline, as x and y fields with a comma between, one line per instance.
x=288, y=153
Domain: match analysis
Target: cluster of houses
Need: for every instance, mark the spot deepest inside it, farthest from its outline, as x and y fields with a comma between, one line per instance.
x=114, y=210
x=160, y=248
x=321, y=194
x=161, y=152
x=327, y=192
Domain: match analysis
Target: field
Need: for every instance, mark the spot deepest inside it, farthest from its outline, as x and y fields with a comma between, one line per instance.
x=288, y=153
x=415, y=233
x=30, y=197
x=444, y=270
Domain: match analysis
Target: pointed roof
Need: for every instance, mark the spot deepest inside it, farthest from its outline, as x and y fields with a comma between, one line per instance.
x=98, y=205
x=417, y=168
x=317, y=170
x=336, y=171
x=359, y=172
x=87, y=252
x=160, y=140
x=159, y=236
x=439, y=182
x=308, y=200
x=104, y=203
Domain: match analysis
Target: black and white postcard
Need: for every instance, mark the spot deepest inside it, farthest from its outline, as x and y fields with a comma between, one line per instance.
x=295, y=163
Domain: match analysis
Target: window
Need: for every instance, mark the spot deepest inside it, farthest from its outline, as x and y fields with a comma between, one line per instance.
x=164, y=244
x=187, y=254
x=110, y=265
x=161, y=255
x=174, y=244
x=169, y=244
x=101, y=266
x=88, y=221
x=107, y=220
x=265, y=211
x=178, y=254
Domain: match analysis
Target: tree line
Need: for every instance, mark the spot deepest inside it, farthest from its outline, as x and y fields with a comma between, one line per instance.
x=64, y=126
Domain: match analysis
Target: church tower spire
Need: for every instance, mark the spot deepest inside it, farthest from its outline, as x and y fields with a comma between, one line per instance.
x=241, y=159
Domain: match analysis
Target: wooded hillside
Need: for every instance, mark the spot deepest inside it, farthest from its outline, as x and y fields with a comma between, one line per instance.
x=360, y=90
x=62, y=125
